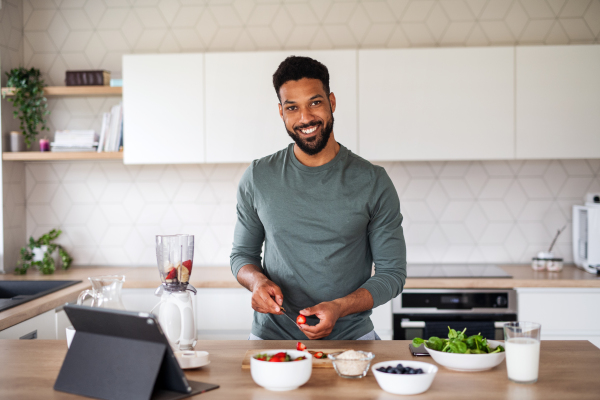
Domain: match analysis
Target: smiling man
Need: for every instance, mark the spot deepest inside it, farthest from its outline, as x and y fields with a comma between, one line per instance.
x=324, y=216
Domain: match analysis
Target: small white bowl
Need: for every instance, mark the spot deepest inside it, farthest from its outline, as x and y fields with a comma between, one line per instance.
x=404, y=383
x=468, y=362
x=280, y=376
x=192, y=359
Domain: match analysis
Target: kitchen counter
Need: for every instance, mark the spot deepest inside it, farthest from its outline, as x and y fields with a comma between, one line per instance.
x=220, y=277
x=568, y=369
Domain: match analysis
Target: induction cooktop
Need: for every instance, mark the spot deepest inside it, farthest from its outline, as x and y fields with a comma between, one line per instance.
x=455, y=271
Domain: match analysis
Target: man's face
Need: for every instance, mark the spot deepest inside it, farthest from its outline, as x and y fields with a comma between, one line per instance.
x=307, y=113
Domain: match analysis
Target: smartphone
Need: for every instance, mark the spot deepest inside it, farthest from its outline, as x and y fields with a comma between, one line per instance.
x=418, y=351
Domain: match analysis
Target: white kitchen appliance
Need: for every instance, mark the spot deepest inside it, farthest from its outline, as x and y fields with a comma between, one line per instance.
x=175, y=255
x=586, y=234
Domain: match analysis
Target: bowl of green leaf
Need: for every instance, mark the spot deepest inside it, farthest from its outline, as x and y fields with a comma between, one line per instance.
x=460, y=352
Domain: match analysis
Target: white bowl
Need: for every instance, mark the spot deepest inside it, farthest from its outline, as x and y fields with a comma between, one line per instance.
x=282, y=375
x=468, y=362
x=405, y=384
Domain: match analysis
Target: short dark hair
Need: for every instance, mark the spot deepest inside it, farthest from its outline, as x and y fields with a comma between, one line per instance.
x=295, y=68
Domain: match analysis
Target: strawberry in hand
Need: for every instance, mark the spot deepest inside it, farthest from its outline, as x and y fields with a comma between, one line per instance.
x=300, y=319
x=300, y=346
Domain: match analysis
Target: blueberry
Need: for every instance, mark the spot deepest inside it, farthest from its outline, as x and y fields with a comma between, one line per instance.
x=399, y=366
x=381, y=369
x=419, y=371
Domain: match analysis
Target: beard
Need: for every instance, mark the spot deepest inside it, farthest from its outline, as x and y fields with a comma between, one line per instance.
x=313, y=145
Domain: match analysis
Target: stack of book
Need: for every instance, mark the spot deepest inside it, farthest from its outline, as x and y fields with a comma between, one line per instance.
x=75, y=140
x=111, y=134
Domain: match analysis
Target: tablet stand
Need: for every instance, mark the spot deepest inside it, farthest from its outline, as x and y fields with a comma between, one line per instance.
x=115, y=368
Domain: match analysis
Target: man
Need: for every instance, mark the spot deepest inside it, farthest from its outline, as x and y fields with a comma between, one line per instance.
x=324, y=215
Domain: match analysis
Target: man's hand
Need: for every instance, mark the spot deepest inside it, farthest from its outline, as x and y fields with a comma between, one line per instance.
x=328, y=312
x=267, y=297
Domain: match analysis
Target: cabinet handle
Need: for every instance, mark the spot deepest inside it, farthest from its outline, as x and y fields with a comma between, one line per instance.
x=29, y=336
x=412, y=324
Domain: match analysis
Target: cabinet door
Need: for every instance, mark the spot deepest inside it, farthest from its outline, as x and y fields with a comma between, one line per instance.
x=242, y=116
x=42, y=326
x=570, y=314
x=163, y=109
x=436, y=104
x=224, y=314
x=141, y=300
x=558, y=101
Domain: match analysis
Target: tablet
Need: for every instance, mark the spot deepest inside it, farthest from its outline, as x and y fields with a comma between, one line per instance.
x=122, y=354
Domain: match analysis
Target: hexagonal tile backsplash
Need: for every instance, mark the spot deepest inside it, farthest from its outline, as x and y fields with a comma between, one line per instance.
x=492, y=211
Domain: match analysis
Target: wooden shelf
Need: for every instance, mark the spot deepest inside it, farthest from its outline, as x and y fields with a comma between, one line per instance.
x=51, y=156
x=74, y=91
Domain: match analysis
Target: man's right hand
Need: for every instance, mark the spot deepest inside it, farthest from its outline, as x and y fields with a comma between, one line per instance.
x=266, y=295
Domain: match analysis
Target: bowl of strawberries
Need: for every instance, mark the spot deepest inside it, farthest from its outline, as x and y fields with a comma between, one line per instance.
x=281, y=370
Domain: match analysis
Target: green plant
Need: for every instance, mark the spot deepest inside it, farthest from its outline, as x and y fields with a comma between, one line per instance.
x=46, y=266
x=29, y=101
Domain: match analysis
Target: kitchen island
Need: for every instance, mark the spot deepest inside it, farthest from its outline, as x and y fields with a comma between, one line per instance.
x=568, y=370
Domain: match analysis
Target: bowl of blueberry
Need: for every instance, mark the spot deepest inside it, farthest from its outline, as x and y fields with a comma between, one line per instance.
x=404, y=376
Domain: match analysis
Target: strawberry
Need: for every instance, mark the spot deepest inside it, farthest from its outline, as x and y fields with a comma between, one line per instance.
x=172, y=274
x=300, y=319
x=300, y=346
x=319, y=354
x=275, y=359
x=280, y=355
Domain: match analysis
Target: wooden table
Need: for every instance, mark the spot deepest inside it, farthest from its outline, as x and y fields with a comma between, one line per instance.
x=568, y=370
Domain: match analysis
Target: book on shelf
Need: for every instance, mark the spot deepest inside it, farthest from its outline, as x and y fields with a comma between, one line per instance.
x=75, y=140
x=114, y=131
x=87, y=78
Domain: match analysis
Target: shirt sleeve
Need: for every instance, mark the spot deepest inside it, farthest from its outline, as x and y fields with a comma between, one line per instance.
x=386, y=239
x=249, y=231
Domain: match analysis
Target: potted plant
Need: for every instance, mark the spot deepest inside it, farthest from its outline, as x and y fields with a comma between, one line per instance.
x=39, y=253
x=30, y=104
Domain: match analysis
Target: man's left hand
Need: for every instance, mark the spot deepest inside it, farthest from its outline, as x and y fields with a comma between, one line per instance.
x=328, y=312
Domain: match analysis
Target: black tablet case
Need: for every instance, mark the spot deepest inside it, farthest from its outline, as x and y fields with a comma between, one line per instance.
x=122, y=355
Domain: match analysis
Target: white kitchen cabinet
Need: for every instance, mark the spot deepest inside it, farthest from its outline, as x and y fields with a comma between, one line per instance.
x=436, y=104
x=141, y=300
x=224, y=314
x=558, y=102
x=163, y=108
x=564, y=313
x=42, y=326
x=242, y=116
x=382, y=320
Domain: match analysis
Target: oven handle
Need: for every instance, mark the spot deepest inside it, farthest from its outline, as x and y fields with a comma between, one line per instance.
x=421, y=324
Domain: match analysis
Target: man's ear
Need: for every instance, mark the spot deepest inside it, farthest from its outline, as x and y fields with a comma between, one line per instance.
x=280, y=110
x=332, y=102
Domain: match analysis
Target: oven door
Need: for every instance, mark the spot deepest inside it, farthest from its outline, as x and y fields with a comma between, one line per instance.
x=410, y=326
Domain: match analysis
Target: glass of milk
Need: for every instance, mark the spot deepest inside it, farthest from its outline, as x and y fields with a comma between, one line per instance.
x=522, y=343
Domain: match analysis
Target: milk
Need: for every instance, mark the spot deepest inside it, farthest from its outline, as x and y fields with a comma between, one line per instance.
x=522, y=359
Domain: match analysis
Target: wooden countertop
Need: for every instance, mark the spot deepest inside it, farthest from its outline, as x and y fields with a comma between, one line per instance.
x=221, y=277
x=568, y=369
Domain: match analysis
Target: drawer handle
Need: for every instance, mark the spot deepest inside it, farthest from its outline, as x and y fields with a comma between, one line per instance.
x=29, y=336
x=412, y=324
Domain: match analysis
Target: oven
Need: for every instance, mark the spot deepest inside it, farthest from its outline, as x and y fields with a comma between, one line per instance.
x=428, y=312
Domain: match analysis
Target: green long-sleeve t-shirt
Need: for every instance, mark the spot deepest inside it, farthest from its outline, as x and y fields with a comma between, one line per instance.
x=322, y=228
